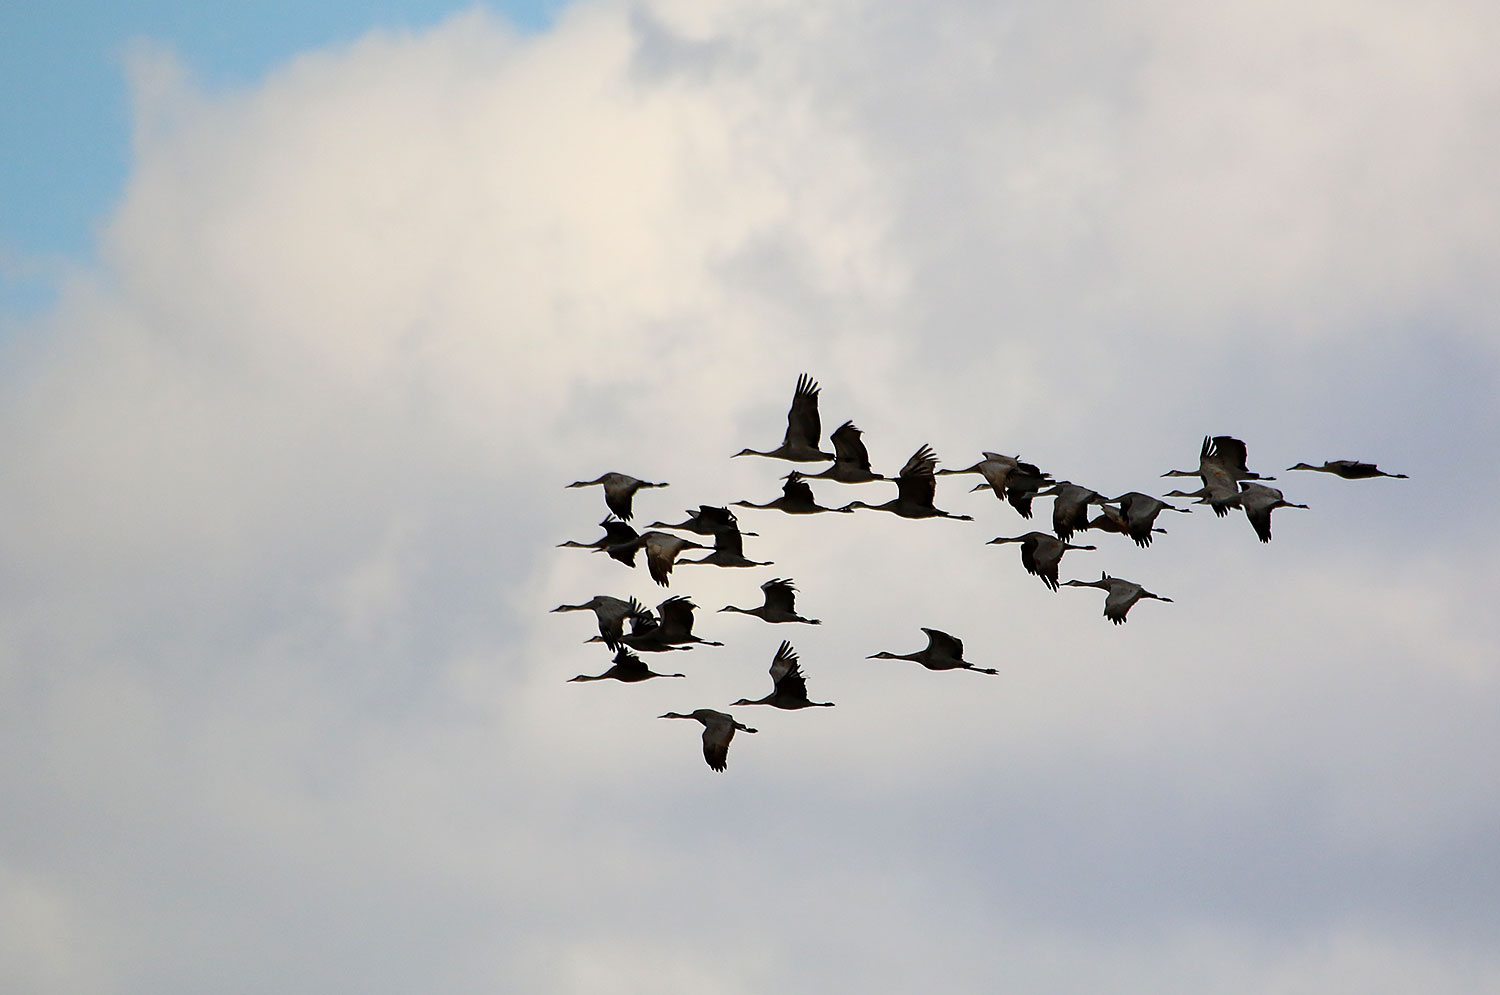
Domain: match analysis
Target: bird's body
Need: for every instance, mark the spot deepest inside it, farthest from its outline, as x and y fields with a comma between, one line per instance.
x=788, y=684
x=718, y=731
x=1259, y=501
x=1070, y=507
x=1221, y=466
x=1010, y=478
x=619, y=490
x=676, y=622
x=796, y=498
x=1349, y=469
x=1040, y=554
x=611, y=614
x=627, y=667
x=706, y=521
x=942, y=652
x=780, y=604
x=616, y=541
x=1138, y=515
x=729, y=551
x=916, y=486
x=1120, y=595
x=851, y=461
x=661, y=552
x=803, y=428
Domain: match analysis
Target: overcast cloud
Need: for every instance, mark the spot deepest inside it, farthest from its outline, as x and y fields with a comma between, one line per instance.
x=282, y=707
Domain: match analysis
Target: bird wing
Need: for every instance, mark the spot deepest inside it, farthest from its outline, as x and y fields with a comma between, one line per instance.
x=1230, y=453
x=677, y=614
x=717, y=732
x=797, y=489
x=847, y=447
x=803, y=426
x=628, y=665
x=784, y=664
x=780, y=594
x=940, y=642
x=728, y=540
x=916, y=483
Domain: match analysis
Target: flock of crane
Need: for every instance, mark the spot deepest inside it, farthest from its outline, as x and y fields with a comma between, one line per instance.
x=1227, y=482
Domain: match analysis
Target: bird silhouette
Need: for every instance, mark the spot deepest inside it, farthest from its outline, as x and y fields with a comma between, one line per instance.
x=1349, y=469
x=615, y=541
x=780, y=603
x=1259, y=501
x=788, y=684
x=915, y=487
x=718, y=731
x=1138, y=515
x=1121, y=595
x=803, y=428
x=661, y=552
x=1040, y=554
x=619, y=490
x=796, y=498
x=611, y=614
x=851, y=462
x=627, y=667
x=942, y=652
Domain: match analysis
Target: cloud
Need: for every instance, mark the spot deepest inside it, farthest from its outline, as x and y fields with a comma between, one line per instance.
x=285, y=479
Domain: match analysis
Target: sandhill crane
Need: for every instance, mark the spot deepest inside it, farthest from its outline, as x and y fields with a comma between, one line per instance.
x=943, y=652
x=617, y=536
x=851, y=461
x=1221, y=466
x=788, y=684
x=1070, y=507
x=780, y=603
x=915, y=487
x=803, y=427
x=1138, y=515
x=611, y=613
x=1112, y=519
x=1121, y=595
x=676, y=615
x=706, y=521
x=1040, y=554
x=1011, y=479
x=718, y=731
x=661, y=551
x=729, y=551
x=646, y=635
x=1349, y=469
x=619, y=489
x=1259, y=501
x=796, y=498
x=627, y=667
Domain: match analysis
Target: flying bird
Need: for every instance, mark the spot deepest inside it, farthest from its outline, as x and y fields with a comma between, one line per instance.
x=676, y=622
x=942, y=652
x=1040, y=554
x=1349, y=469
x=661, y=552
x=1221, y=466
x=851, y=461
x=1011, y=479
x=780, y=603
x=611, y=614
x=1070, y=507
x=1121, y=595
x=915, y=487
x=1138, y=515
x=788, y=684
x=1259, y=501
x=706, y=521
x=619, y=489
x=615, y=541
x=729, y=551
x=796, y=498
x=627, y=667
x=718, y=730
x=803, y=427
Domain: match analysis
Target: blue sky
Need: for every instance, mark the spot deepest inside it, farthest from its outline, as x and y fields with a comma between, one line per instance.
x=64, y=107
x=285, y=462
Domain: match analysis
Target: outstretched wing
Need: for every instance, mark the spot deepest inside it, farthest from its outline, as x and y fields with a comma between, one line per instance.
x=916, y=482
x=848, y=447
x=940, y=642
x=796, y=489
x=803, y=425
x=780, y=594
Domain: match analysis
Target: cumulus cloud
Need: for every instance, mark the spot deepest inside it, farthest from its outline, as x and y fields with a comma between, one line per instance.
x=285, y=477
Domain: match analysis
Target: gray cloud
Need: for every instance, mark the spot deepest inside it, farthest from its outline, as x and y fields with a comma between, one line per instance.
x=286, y=472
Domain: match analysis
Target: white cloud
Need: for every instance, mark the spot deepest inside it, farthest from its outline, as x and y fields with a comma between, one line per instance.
x=285, y=476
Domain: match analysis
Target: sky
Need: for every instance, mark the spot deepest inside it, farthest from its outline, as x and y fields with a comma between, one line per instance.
x=309, y=318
